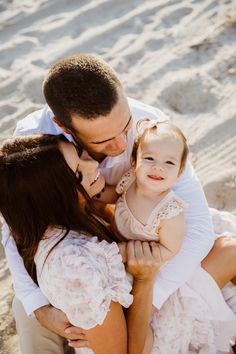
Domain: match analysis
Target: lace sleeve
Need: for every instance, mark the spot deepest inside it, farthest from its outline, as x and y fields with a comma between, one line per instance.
x=125, y=181
x=170, y=208
x=82, y=280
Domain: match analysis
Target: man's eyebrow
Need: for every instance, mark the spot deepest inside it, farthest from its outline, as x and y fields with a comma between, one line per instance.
x=104, y=141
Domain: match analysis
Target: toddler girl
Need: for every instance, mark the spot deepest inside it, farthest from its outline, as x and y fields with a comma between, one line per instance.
x=194, y=319
x=148, y=209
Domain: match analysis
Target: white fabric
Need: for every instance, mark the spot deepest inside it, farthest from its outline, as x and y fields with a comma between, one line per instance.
x=81, y=277
x=199, y=234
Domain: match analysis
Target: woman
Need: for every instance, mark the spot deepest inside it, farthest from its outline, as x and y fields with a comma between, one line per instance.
x=45, y=199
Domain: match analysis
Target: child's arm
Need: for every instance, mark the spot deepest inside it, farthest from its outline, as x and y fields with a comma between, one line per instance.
x=171, y=234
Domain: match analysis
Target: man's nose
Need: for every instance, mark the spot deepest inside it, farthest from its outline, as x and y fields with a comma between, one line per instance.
x=121, y=142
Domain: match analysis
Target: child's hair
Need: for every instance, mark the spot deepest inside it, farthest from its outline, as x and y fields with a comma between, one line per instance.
x=146, y=126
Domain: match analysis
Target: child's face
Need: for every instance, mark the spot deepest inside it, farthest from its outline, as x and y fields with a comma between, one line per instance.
x=158, y=161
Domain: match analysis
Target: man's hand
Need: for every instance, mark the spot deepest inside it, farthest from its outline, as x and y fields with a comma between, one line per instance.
x=56, y=321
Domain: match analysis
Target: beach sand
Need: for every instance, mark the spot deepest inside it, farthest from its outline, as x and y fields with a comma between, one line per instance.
x=177, y=55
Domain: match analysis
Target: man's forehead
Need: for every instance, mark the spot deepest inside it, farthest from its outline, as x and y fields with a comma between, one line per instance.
x=103, y=131
x=103, y=128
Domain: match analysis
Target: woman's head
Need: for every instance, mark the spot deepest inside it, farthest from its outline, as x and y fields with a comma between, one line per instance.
x=44, y=182
x=159, y=154
x=85, y=168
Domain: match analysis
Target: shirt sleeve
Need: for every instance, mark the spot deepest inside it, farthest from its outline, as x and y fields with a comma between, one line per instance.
x=199, y=238
x=82, y=280
x=26, y=290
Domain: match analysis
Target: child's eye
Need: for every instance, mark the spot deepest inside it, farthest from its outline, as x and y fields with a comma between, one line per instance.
x=149, y=158
x=170, y=163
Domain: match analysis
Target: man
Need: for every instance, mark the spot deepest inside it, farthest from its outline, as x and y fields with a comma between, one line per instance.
x=89, y=106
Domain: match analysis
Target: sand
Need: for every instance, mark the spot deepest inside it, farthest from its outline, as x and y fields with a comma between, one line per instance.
x=177, y=55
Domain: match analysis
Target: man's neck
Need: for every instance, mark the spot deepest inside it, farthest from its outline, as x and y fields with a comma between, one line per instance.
x=96, y=156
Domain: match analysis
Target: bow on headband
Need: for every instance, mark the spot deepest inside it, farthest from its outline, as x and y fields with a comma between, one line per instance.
x=147, y=123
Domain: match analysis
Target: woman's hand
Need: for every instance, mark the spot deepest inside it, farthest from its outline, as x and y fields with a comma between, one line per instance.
x=122, y=247
x=142, y=259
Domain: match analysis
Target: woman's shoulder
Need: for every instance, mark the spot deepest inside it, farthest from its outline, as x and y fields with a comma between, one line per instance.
x=81, y=276
x=58, y=243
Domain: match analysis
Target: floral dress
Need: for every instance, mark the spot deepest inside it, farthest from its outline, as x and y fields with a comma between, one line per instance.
x=81, y=276
x=196, y=318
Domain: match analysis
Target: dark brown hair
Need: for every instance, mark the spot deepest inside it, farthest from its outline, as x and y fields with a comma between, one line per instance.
x=83, y=84
x=39, y=190
x=152, y=126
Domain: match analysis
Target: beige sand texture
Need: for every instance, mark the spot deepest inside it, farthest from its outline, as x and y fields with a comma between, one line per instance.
x=177, y=55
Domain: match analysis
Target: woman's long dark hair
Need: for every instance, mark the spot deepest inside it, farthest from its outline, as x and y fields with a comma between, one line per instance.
x=38, y=190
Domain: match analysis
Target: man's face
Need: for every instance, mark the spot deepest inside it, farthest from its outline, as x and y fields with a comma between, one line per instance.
x=105, y=135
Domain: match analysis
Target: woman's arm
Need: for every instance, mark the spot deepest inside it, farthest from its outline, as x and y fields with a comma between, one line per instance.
x=143, y=263
x=171, y=234
x=111, y=336
x=139, y=317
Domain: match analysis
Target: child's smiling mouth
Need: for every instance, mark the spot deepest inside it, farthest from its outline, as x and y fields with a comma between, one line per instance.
x=156, y=177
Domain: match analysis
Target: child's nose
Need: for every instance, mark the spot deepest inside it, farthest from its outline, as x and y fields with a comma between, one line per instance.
x=157, y=166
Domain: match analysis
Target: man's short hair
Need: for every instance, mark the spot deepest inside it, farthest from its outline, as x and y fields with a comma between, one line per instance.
x=83, y=84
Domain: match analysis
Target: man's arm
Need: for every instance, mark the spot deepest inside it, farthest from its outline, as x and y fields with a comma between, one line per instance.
x=199, y=238
x=26, y=290
x=33, y=299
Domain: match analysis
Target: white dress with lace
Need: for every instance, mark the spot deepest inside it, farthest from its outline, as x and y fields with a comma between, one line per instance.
x=81, y=277
x=196, y=318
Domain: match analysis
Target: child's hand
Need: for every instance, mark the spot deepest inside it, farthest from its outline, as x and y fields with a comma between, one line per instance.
x=143, y=259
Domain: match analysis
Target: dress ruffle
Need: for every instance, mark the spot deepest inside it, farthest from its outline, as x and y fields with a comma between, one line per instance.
x=81, y=277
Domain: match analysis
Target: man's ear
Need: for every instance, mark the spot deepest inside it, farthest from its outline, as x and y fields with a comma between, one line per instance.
x=133, y=163
x=66, y=130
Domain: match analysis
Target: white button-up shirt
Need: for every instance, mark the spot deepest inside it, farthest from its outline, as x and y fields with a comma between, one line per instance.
x=199, y=237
